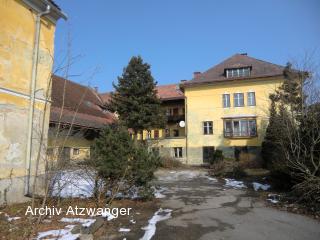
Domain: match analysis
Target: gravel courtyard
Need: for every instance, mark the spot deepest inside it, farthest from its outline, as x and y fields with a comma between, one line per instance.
x=204, y=208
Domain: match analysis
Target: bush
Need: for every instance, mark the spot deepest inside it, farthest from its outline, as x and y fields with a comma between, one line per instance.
x=308, y=193
x=217, y=156
x=121, y=160
x=238, y=172
x=169, y=162
x=217, y=168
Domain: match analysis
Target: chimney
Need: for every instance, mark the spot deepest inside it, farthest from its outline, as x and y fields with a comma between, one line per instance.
x=96, y=89
x=196, y=74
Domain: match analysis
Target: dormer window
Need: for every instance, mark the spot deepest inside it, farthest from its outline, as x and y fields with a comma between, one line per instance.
x=238, y=72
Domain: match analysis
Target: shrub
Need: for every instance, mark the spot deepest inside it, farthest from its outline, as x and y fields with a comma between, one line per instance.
x=238, y=172
x=217, y=156
x=308, y=193
x=217, y=168
x=169, y=162
x=121, y=160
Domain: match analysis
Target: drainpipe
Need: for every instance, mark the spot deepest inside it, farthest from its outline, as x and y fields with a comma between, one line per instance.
x=32, y=98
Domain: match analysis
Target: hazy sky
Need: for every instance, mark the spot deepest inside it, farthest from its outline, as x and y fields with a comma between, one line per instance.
x=178, y=37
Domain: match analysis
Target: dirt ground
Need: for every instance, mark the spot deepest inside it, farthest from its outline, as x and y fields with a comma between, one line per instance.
x=202, y=208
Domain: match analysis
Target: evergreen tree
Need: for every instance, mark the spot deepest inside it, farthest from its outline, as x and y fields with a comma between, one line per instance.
x=120, y=160
x=135, y=98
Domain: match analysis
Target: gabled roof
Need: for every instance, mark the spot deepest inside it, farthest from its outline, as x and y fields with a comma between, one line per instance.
x=79, y=101
x=259, y=69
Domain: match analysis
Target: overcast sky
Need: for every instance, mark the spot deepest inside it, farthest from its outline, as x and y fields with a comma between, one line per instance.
x=182, y=36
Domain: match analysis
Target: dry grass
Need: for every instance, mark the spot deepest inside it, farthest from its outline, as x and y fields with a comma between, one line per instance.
x=27, y=228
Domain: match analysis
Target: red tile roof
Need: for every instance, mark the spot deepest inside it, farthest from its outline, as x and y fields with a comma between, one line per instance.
x=105, y=97
x=169, y=92
x=164, y=92
x=259, y=69
x=79, y=101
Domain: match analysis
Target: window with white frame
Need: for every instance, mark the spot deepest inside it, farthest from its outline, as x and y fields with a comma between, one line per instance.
x=177, y=152
x=240, y=128
x=251, y=98
x=226, y=100
x=238, y=99
x=238, y=72
x=207, y=127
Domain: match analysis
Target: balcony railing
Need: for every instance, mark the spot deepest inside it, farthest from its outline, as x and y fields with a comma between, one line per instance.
x=240, y=134
x=175, y=118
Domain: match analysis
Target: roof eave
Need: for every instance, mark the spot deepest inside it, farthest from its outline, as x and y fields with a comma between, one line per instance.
x=41, y=6
x=212, y=82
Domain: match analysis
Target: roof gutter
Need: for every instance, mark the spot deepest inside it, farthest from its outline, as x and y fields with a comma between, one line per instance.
x=40, y=6
x=213, y=82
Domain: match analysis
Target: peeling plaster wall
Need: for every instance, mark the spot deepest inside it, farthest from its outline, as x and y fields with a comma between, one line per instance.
x=17, y=24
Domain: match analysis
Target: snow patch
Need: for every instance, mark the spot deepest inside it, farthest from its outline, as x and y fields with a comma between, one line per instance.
x=273, y=198
x=133, y=221
x=124, y=229
x=108, y=215
x=74, y=183
x=158, y=192
x=257, y=186
x=84, y=222
x=60, y=234
x=211, y=179
x=10, y=219
x=233, y=183
x=160, y=215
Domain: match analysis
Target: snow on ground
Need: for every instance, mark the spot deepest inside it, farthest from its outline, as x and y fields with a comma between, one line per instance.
x=133, y=221
x=160, y=215
x=273, y=198
x=257, y=186
x=233, y=183
x=60, y=234
x=158, y=192
x=74, y=183
x=84, y=222
x=10, y=219
x=131, y=193
x=124, y=229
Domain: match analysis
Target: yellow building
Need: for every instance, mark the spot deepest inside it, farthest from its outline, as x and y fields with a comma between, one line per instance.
x=226, y=108
x=76, y=117
x=26, y=58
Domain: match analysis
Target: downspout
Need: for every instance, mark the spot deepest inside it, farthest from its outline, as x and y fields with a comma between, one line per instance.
x=32, y=98
x=186, y=127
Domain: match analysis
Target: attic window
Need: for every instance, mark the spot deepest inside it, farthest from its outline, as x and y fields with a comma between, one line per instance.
x=238, y=72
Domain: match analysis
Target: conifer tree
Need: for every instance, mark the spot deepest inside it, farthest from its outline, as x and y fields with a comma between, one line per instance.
x=135, y=98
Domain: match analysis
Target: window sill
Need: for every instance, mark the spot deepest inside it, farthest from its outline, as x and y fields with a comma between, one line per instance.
x=240, y=137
